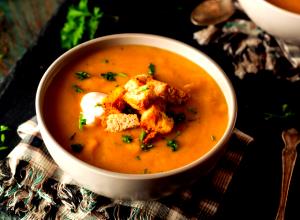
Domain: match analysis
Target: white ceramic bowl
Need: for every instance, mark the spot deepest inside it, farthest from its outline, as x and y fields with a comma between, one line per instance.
x=135, y=186
x=276, y=21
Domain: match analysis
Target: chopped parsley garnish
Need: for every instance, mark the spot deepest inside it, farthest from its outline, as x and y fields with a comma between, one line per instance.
x=213, y=137
x=138, y=157
x=3, y=128
x=127, y=139
x=146, y=147
x=142, y=136
x=146, y=171
x=122, y=74
x=77, y=88
x=286, y=113
x=2, y=138
x=3, y=132
x=82, y=75
x=111, y=76
x=151, y=69
x=77, y=148
x=82, y=121
x=172, y=144
x=79, y=20
x=143, y=88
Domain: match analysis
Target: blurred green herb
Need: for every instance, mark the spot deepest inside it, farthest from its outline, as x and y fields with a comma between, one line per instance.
x=3, y=133
x=82, y=75
x=76, y=24
x=77, y=89
x=82, y=121
x=127, y=139
x=146, y=147
x=285, y=113
x=151, y=69
x=142, y=136
x=172, y=144
x=110, y=76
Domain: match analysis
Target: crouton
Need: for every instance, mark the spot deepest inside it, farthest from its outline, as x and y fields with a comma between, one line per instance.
x=115, y=100
x=159, y=88
x=176, y=96
x=137, y=81
x=154, y=121
x=121, y=122
x=139, y=98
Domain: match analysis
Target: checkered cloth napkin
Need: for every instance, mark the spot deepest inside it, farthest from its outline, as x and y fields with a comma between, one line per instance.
x=32, y=186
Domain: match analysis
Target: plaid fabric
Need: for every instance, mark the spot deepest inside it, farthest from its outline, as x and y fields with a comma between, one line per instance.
x=32, y=186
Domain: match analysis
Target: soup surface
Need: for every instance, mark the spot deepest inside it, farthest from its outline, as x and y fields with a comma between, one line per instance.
x=204, y=116
x=290, y=5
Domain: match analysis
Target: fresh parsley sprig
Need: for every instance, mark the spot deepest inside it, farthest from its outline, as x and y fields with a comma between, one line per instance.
x=78, y=20
x=81, y=75
x=3, y=132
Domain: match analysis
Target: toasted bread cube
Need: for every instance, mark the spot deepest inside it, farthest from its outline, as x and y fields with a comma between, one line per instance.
x=153, y=120
x=159, y=88
x=140, y=98
x=137, y=81
x=115, y=100
x=121, y=122
x=176, y=96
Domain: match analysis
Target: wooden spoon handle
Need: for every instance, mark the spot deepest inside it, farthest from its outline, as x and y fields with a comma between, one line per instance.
x=289, y=155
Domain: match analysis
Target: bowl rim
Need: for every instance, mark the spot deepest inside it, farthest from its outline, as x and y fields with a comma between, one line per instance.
x=278, y=9
x=127, y=176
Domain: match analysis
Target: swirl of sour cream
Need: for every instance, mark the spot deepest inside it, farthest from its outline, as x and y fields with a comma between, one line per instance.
x=91, y=106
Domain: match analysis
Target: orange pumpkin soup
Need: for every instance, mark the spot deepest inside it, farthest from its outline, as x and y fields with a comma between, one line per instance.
x=290, y=5
x=198, y=122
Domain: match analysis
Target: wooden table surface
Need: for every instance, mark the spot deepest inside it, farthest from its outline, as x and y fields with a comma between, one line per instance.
x=254, y=191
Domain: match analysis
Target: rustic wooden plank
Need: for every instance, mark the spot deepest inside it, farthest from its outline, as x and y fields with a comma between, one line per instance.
x=20, y=24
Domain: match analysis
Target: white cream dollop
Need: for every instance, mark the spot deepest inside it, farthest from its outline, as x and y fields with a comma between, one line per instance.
x=91, y=106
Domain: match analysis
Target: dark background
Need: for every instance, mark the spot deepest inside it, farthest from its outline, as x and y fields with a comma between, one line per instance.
x=255, y=189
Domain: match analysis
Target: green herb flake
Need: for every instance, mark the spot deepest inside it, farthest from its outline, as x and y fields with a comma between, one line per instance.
x=172, y=144
x=82, y=121
x=286, y=113
x=77, y=148
x=3, y=128
x=143, y=88
x=142, y=136
x=122, y=74
x=77, y=88
x=151, y=69
x=2, y=138
x=109, y=76
x=146, y=147
x=146, y=171
x=94, y=21
x=138, y=157
x=79, y=19
x=3, y=148
x=82, y=75
x=213, y=137
x=127, y=139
